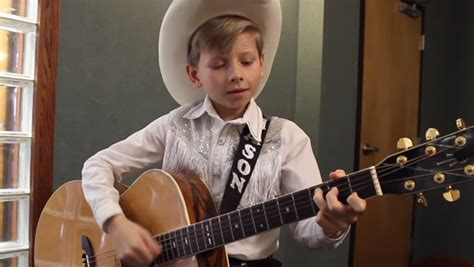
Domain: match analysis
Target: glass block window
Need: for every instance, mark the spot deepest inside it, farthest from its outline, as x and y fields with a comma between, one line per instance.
x=16, y=102
x=18, y=34
x=18, y=259
x=17, y=48
x=22, y=10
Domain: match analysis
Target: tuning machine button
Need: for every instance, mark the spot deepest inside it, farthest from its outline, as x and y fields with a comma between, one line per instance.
x=409, y=185
x=430, y=150
x=469, y=169
x=460, y=124
x=451, y=194
x=460, y=141
x=431, y=134
x=439, y=178
x=402, y=160
x=404, y=143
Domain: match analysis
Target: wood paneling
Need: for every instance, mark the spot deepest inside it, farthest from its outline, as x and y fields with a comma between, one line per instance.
x=390, y=107
x=44, y=111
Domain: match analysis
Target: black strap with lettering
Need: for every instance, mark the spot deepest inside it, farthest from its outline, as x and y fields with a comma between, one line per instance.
x=245, y=158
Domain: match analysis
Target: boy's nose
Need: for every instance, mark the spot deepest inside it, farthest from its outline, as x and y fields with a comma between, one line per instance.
x=235, y=74
x=236, y=78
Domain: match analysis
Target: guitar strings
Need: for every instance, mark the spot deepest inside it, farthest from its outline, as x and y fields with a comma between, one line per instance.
x=167, y=249
x=198, y=235
x=362, y=185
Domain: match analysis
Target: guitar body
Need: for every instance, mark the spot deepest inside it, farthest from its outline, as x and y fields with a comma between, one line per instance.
x=156, y=200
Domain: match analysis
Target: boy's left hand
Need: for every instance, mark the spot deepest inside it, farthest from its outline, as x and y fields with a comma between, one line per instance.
x=334, y=217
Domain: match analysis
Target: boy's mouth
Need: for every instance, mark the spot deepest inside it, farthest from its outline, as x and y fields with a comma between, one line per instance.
x=237, y=91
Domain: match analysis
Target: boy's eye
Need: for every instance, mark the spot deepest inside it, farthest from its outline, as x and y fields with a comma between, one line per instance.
x=247, y=62
x=216, y=66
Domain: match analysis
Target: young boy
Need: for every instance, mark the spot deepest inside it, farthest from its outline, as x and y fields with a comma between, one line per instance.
x=213, y=63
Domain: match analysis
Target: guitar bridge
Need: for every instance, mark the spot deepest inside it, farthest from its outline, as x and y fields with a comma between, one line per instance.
x=88, y=254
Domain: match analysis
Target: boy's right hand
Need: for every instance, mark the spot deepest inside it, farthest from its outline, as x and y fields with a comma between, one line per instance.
x=134, y=244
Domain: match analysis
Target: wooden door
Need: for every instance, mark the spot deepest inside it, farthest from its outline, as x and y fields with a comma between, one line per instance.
x=390, y=100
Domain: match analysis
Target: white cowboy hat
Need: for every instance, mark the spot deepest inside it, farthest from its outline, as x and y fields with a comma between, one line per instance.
x=185, y=16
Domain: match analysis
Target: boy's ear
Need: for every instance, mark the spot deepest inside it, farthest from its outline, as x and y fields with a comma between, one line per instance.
x=192, y=74
x=262, y=62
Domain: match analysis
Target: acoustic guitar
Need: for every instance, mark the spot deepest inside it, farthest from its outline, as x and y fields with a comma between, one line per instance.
x=178, y=210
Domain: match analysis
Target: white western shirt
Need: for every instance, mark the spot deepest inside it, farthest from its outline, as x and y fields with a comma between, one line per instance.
x=194, y=138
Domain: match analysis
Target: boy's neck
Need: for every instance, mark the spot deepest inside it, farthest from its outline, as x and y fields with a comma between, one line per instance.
x=228, y=114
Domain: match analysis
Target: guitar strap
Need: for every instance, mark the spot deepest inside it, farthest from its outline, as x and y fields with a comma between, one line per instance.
x=245, y=158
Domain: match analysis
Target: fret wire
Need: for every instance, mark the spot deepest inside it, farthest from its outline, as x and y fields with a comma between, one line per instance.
x=166, y=254
x=195, y=235
x=258, y=217
x=174, y=246
x=183, y=240
x=171, y=246
x=253, y=221
x=227, y=238
x=294, y=206
x=230, y=224
x=212, y=233
x=190, y=239
x=274, y=217
x=311, y=197
x=265, y=215
x=203, y=235
x=241, y=224
x=278, y=210
x=349, y=182
x=220, y=227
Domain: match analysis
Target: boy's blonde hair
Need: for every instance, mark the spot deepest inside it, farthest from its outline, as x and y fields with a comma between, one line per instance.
x=220, y=33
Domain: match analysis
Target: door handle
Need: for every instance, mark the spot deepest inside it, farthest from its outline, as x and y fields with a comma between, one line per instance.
x=368, y=149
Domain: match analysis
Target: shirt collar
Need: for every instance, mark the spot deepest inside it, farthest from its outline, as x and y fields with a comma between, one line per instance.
x=252, y=117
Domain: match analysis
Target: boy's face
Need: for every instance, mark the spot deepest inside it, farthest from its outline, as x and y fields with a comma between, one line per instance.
x=229, y=80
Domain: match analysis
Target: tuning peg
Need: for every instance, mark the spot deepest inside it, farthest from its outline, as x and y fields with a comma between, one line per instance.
x=469, y=169
x=431, y=134
x=421, y=199
x=460, y=124
x=451, y=194
x=460, y=141
x=404, y=143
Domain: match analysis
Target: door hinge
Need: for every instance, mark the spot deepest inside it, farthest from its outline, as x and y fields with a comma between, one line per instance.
x=422, y=43
x=411, y=9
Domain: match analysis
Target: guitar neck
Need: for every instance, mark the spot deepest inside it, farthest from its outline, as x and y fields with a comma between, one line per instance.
x=232, y=226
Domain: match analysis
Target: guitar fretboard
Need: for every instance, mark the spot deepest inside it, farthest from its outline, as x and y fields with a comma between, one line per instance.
x=230, y=227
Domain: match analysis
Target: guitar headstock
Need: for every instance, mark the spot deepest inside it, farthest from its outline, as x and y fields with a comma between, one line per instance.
x=441, y=162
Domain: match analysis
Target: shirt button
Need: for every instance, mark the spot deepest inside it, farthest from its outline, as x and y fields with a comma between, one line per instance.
x=221, y=141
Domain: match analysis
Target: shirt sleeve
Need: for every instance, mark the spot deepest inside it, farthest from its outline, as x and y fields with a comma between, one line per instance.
x=121, y=160
x=299, y=171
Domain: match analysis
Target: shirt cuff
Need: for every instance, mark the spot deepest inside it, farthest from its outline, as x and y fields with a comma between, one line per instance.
x=326, y=241
x=105, y=211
